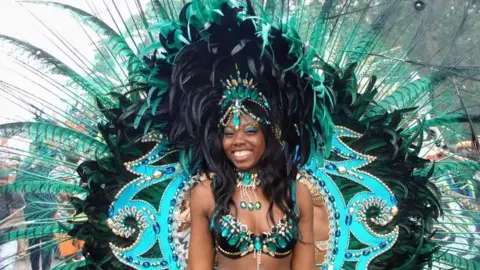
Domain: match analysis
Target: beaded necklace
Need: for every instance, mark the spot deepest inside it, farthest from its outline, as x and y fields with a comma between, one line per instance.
x=247, y=183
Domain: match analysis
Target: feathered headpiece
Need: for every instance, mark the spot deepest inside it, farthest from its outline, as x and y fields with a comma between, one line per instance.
x=212, y=68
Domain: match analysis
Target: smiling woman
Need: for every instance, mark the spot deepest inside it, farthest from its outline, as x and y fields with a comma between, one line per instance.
x=244, y=146
x=252, y=211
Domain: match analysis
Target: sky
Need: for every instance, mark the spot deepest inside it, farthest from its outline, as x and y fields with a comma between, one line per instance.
x=50, y=29
x=56, y=32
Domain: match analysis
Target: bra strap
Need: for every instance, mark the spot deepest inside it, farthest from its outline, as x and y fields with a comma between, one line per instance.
x=212, y=220
x=293, y=194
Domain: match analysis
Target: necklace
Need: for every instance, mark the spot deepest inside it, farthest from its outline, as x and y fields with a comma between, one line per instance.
x=247, y=183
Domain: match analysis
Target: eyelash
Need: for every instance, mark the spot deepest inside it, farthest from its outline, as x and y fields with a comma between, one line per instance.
x=251, y=130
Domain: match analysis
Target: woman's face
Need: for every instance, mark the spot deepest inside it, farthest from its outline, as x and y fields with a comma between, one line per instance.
x=244, y=147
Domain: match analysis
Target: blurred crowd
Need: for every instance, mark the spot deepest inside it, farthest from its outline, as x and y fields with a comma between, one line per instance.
x=20, y=211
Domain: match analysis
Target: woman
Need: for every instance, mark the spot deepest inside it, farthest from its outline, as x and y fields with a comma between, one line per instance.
x=252, y=211
x=246, y=149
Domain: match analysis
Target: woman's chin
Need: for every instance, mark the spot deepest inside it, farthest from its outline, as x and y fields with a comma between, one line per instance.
x=244, y=167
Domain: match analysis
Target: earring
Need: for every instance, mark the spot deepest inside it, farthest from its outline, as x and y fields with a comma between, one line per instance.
x=278, y=135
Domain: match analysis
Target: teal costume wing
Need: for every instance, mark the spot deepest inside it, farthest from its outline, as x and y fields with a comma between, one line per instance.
x=402, y=76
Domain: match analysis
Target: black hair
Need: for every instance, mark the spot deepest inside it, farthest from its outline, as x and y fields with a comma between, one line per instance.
x=274, y=174
x=196, y=88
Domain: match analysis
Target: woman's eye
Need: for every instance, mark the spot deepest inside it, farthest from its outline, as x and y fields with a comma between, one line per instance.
x=228, y=133
x=251, y=130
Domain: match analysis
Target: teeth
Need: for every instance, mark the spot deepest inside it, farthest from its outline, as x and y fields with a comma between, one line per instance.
x=241, y=153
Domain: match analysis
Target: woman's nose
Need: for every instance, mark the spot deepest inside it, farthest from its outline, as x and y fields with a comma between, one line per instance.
x=239, y=139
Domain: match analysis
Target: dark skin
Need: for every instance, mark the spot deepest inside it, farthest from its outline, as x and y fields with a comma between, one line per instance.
x=245, y=147
x=320, y=229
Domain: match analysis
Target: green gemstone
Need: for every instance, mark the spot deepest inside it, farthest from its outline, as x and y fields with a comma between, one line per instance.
x=271, y=246
x=243, y=204
x=258, y=205
x=258, y=244
x=234, y=239
x=281, y=242
x=225, y=231
x=250, y=206
x=247, y=178
x=289, y=235
x=248, y=91
x=241, y=90
x=243, y=246
x=236, y=120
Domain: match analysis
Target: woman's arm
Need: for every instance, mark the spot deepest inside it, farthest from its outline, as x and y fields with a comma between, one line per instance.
x=201, y=253
x=304, y=250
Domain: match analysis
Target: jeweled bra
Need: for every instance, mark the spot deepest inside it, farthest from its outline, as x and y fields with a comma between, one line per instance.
x=234, y=240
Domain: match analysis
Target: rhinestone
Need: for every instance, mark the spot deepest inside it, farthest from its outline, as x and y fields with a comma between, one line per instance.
x=110, y=211
x=348, y=220
x=330, y=166
x=157, y=174
x=170, y=170
x=156, y=228
x=394, y=211
x=342, y=170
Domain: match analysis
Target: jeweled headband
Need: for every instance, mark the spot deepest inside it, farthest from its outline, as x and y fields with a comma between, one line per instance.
x=239, y=91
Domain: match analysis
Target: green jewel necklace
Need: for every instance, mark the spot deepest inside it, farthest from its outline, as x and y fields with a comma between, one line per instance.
x=247, y=183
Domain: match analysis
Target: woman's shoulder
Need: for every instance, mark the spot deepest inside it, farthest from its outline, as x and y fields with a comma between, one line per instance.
x=303, y=182
x=303, y=193
x=202, y=193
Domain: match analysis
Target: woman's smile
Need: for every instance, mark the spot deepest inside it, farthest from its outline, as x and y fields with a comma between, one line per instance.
x=242, y=154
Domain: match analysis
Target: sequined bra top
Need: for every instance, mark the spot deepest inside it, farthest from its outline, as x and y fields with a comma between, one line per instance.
x=234, y=239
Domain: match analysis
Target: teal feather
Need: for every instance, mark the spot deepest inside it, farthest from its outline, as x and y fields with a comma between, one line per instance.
x=408, y=95
x=64, y=138
x=51, y=187
x=71, y=266
x=55, y=66
x=116, y=43
x=33, y=232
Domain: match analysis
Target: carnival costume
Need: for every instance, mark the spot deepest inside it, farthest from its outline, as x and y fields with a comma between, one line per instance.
x=351, y=106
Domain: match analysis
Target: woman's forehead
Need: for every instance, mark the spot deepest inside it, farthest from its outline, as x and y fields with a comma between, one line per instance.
x=245, y=120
